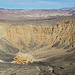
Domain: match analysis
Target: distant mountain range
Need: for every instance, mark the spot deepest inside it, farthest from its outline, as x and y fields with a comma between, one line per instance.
x=13, y=14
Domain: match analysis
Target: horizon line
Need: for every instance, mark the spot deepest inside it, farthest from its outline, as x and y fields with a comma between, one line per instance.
x=34, y=9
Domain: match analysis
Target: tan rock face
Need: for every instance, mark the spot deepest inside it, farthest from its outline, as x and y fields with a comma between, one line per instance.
x=21, y=36
x=64, y=32
x=2, y=32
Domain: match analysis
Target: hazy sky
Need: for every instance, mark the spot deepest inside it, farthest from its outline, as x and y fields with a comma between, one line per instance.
x=36, y=4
